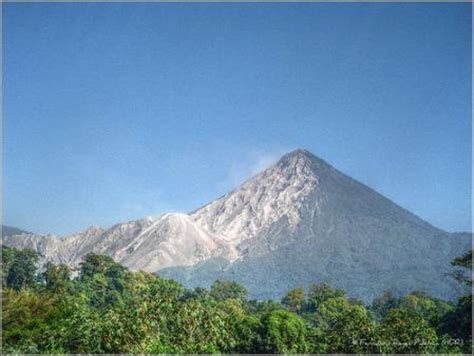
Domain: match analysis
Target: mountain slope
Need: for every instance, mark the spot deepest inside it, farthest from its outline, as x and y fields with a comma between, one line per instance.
x=277, y=192
x=10, y=230
x=174, y=239
x=299, y=221
x=148, y=244
x=336, y=230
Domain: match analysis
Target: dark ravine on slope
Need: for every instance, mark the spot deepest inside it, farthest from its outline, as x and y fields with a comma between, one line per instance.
x=299, y=222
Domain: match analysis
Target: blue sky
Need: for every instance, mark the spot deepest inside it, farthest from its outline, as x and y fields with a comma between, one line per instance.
x=119, y=111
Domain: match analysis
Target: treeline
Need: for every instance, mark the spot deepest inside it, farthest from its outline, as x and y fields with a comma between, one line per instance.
x=104, y=308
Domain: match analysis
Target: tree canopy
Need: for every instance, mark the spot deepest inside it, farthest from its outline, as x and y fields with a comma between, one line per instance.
x=104, y=308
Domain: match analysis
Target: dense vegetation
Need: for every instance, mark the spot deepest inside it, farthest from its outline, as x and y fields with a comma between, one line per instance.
x=104, y=308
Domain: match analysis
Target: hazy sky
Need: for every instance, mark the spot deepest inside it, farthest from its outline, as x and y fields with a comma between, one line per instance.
x=119, y=111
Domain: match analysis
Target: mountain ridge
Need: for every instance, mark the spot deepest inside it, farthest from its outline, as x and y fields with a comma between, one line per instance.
x=11, y=230
x=297, y=221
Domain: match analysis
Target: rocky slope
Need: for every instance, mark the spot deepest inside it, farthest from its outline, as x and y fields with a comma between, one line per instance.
x=299, y=221
x=148, y=244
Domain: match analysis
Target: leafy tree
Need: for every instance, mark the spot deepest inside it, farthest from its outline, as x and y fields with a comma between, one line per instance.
x=196, y=328
x=319, y=293
x=221, y=290
x=328, y=311
x=246, y=328
x=83, y=330
x=56, y=278
x=463, y=268
x=21, y=268
x=339, y=325
x=382, y=304
x=93, y=264
x=430, y=309
x=294, y=300
x=8, y=256
x=324, y=305
x=458, y=322
x=107, y=309
x=201, y=293
x=29, y=320
x=350, y=331
x=261, y=307
x=284, y=332
x=102, y=279
x=403, y=331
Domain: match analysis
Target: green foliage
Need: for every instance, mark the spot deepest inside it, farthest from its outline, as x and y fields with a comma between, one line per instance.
x=108, y=309
x=244, y=326
x=284, y=332
x=383, y=303
x=29, y=320
x=430, y=309
x=8, y=256
x=197, y=328
x=56, y=278
x=294, y=300
x=221, y=290
x=329, y=311
x=458, y=323
x=19, y=268
x=462, y=264
x=102, y=280
x=262, y=306
x=318, y=293
x=352, y=330
x=421, y=304
x=97, y=264
x=403, y=331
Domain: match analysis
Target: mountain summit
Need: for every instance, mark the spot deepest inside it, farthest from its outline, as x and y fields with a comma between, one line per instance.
x=277, y=192
x=300, y=221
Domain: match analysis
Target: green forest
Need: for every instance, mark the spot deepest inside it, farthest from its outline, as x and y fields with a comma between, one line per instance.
x=104, y=308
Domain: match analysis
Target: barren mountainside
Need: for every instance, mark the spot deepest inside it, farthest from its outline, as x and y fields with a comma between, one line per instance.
x=298, y=222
